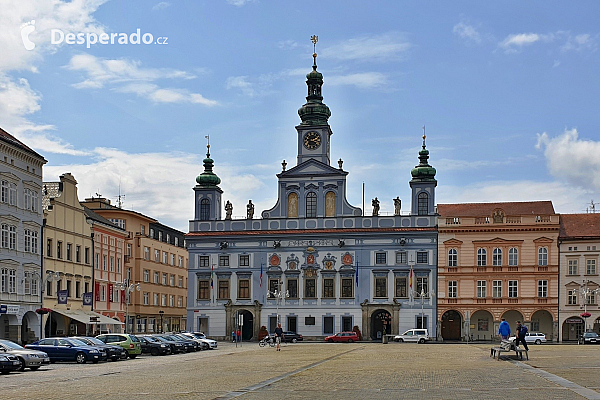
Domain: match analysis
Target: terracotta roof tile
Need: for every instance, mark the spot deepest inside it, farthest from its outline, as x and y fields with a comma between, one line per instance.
x=579, y=226
x=487, y=209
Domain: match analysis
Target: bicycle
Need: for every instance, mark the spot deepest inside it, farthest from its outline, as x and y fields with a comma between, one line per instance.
x=267, y=340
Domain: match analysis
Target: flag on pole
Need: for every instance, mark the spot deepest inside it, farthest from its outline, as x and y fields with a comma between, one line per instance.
x=212, y=268
x=411, y=279
x=261, y=270
x=357, y=273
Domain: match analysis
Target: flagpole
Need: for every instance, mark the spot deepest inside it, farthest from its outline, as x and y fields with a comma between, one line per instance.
x=212, y=286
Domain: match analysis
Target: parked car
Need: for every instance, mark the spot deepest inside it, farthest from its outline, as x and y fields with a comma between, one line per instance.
x=589, y=338
x=9, y=363
x=531, y=337
x=208, y=343
x=28, y=358
x=347, y=337
x=176, y=347
x=65, y=349
x=190, y=345
x=151, y=345
x=113, y=352
x=413, y=335
x=130, y=343
x=292, y=337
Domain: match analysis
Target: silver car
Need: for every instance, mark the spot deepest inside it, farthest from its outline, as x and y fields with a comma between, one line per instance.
x=28, y=358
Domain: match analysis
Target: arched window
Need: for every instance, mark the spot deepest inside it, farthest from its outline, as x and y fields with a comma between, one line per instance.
x=543, y=256
x=292, y=205
x=481, y=257
x=452, y=258
x=423, y=204
x=513, y=257
x=204, y=210
x=311, y=205
x=330, y=204
x=497, y=257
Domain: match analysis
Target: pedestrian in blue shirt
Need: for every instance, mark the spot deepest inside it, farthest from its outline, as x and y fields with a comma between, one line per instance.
x=504, y=329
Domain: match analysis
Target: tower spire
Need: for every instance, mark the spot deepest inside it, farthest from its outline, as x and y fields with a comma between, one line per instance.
x=423, y=171
x=208, y=178
x=314, y=112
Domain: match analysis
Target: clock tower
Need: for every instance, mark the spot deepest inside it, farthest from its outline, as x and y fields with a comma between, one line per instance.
x=314, y=132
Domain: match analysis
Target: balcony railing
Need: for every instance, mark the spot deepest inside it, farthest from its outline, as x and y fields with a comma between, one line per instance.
x=482, y=220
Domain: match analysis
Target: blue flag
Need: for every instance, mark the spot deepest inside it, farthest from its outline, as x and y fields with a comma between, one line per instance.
x=357, y=274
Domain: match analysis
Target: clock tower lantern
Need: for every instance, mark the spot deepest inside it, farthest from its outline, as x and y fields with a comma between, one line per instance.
x=314, y=132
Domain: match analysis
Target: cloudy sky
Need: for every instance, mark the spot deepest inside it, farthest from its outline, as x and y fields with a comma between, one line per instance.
x=508, y=94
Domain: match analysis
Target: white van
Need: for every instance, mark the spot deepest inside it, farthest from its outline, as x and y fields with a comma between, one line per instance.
x=413, y=335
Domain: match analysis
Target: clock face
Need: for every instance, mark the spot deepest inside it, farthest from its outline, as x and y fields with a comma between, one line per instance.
x=312, y=140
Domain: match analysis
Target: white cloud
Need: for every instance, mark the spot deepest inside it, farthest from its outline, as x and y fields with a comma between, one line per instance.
x=161, y=6
x=288, y=44
x=390, y=46
x=145, y=178
x=239, y=3
x=364, y=80
x=513, y=43
x=572, y=159
x=240, y=82
x=128, y=76
x=467, y=32
x=581, y=43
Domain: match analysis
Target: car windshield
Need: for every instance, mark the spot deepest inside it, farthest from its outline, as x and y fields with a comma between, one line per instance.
x=77, y=342
x=134, y=338
x=11, y=345
x=591, y=334
x=162, y=339
x=151, y=339
x=94, y=341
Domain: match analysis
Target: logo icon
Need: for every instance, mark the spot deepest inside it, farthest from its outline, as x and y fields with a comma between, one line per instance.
x=26, y=29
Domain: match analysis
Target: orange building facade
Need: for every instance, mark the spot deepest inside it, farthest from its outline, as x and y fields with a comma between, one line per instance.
x=497, y=260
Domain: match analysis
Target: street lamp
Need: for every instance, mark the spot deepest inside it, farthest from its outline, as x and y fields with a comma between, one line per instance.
x=161, y=312
x=128, y=289
x=586, y=293
x=423, y=295
x=279, y=295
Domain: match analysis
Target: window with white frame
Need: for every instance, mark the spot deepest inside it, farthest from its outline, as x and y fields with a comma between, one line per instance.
x=543, y=256
x=481, y=289
x=146, y=298
x=452, y=289
x=146, y=275
x=176, y=241
x=497, y=257
x=171, y=301
x=223, y=261
x=9, y=236
x=12, y=281
x=31, y=241
x=422, y=257
x=543, y=288
x=172, y=259
x=8, y=192
x=180, y=261
x=156, y=255
x=513, y=289
x=165, y=257
x=181, y=281
x=423, y=285
x=34, y=286
x=401, y=257
x=155, y=299
x=244, y=260
x=573, y=267
x=172, y=280
x=204, y=261
x=513, y=257
x=572, y=297
x=156, y=277
x=163, y=300
x=164, y=279
x=102, y=293
x=481, y=257
x=4, y=280
x=452, y=258
x=27, y=282
x=497, y=289
x=590, y=266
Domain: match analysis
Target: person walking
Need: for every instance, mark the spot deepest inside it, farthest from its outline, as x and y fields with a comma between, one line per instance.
x=504, y=329
x=521, y=330
x=278, y=336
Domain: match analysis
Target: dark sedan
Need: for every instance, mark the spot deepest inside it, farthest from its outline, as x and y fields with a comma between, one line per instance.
x=589, y=338
x=113, y=353
x=292, y=337
x=8, y=363
x=190, y=344
x=151, y=345
x=176, y=347
x=65, y=349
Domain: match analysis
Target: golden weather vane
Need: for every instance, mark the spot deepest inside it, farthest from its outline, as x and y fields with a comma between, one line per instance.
x=314, y=39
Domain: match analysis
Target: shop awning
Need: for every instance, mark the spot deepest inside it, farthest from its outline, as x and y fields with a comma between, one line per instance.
x=88, y=317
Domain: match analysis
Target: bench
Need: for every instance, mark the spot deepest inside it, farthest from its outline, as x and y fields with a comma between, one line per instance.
x=496, y=351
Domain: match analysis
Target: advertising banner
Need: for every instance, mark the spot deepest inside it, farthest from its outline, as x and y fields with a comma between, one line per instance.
x=87, y=299
x=63, y=296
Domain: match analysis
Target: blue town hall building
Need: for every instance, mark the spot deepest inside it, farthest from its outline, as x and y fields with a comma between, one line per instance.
x=314, y=262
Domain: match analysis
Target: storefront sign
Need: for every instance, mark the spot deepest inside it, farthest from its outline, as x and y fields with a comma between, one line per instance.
x=9, y=309
x=573, y=321
x=87, y=299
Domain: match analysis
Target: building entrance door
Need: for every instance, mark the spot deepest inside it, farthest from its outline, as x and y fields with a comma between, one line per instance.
x=346, y=324
x=380, y=324
x=292, y=324
x=451, y=323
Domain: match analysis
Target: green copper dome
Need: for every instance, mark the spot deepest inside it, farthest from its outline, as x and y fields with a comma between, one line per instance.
x=423, y=172
x=314, y=112
x=208, y=178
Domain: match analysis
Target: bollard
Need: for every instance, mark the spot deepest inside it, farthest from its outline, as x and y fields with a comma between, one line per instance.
x=384, y=339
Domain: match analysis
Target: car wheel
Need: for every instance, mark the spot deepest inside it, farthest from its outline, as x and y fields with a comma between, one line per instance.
x=34, y=368
x=154, y=351
x=294, y=340
x=80, y=358
x=350, y=340
x=330, y=340
x=22, y=366
x=95, y=361
x=401, y=340
x=132, y=356
x=421, y=340
x=538, y=341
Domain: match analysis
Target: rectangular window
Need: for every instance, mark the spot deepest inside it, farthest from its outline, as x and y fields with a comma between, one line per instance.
x=591, y=267
x=380, y=287
x=164, y=279
x=172, y=280
x=223, y=289
x=77, y=253
x=347, y=288
x=571, y=297
x=112, y=263
x=34, y=287
x=310, y=288
x=163, y=300
x=543, y=288
x=180, y=261
x=401, y=257
x=119, y=265
x=171, y=301
x=481, y=289
x=172, y=259
x=573, y=267
x=513, y=289
x=69, y=246
x=543, y=256
x=157, y=277
x=155, y=299
x=181, y=281
x=69, y=293
x=204, y=261
x=309, y=321
x=156, y=255
x=146, y=298
x=244, y=288
x=104, y=259
x=423, y=285
x=203, y=289
x=143, y=229
x=49, y=248
x=497, y=289
x=328, y=291
x=129, y=249
x=146, y=253
x=380, y=258
x=146, y=275
x=421, y=257
x=513, y=257
x=401, y=287
x=165, y=258
x=452, y=289
x=244, y=260
x=78, y=289
x=273, y=286
x=292, y=287
x=223, y=261
x=59, y=250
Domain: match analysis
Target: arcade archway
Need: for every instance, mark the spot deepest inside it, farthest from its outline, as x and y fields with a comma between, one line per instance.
x=380, y=324
x=451, y=325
